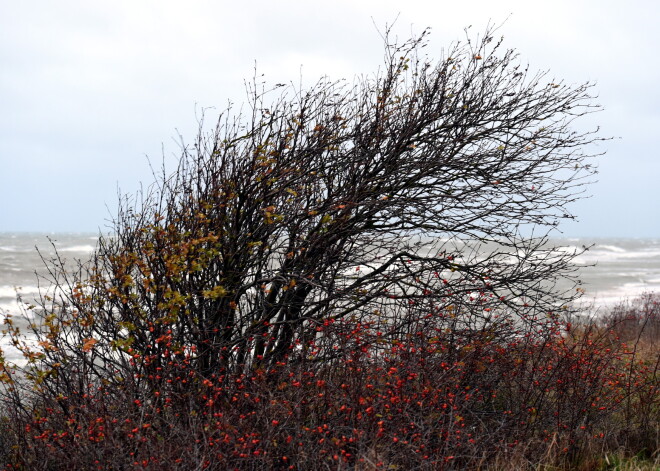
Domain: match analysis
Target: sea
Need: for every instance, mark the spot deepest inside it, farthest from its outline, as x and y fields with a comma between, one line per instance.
x=613, y=270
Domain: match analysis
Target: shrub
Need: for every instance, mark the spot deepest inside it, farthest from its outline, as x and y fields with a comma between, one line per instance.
x=337, y=280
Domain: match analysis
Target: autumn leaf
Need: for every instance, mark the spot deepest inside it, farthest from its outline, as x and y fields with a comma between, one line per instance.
x=88, y=344
x=215, y=293
x=47, y=345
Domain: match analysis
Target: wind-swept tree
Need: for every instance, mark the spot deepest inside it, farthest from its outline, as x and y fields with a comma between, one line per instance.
x=422, y=189
x=329, y=222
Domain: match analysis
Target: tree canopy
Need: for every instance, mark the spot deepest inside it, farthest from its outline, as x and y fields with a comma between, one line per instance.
x=430, y=187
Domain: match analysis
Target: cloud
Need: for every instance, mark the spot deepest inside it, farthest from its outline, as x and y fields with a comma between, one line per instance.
x=88, y=88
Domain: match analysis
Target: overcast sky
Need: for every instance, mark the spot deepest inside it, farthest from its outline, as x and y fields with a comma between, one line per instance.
x=88, y=90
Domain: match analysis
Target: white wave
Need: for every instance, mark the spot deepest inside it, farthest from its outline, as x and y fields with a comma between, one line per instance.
x=8, y=307
x=16, y=309
x=622, y=292
x=78, y=248
x=11, y=354
x=611, y=248
x=568, y=248
x=596, y=256
x=10, y=291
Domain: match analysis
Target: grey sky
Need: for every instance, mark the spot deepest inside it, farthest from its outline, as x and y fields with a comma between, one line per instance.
x=88, y=89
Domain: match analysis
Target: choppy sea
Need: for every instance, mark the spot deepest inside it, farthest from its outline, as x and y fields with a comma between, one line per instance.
x=21, y=265
x=611, y=271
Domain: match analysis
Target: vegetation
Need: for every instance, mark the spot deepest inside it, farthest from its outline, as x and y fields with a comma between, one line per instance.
x=347, y=277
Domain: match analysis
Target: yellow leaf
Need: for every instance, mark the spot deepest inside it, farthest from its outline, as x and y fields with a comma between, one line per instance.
x=215, y=293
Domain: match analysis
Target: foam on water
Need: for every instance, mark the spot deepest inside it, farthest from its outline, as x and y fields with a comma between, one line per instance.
x=78, y=248
x=11, y=291
x=14, y=248
x=611, y=248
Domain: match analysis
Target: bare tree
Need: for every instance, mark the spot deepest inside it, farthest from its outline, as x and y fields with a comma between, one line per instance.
x=428, y=189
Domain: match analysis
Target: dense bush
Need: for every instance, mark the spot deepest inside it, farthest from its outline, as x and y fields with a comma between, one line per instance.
x=340, y=281
x=437, y=400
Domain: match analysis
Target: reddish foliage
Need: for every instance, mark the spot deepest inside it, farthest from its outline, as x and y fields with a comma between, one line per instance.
x=445, y=401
